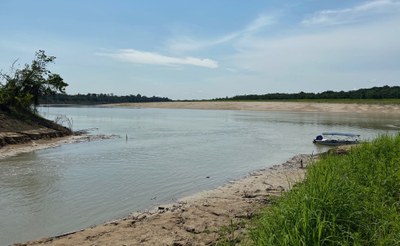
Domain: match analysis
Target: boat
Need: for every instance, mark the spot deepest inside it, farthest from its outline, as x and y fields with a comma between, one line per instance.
x=336, y=138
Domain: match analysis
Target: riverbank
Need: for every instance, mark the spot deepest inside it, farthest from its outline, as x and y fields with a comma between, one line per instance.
x=39, y=144
x=181, y=220
x=350, y=199
x=271, y=106
x=24, y=132
x=201, y=219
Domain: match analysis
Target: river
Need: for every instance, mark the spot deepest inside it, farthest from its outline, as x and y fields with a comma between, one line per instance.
x=156, y=156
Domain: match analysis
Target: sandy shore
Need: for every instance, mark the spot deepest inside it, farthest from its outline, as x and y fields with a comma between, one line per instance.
x=272, y=106
x=15, y=149
x=202, y=219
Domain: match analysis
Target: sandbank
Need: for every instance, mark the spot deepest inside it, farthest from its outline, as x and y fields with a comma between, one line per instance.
x=271, y=106
x=45, y=143
x=15, y=149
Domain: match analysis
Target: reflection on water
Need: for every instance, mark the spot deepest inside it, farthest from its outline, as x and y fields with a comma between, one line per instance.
x=167, y=154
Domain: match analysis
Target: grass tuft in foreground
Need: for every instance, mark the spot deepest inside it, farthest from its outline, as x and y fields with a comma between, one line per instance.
x=344, y=200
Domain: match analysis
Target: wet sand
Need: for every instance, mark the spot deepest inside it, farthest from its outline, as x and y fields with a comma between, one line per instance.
x=201, y=219
x=15, y=149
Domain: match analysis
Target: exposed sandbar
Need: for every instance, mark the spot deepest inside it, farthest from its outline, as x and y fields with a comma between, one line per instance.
x=272, y=106
x=15, y=149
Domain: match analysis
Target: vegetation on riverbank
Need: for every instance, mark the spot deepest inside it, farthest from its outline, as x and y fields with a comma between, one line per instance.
x=93, y=99
x=20, y=92
x=345, y=200
x=22, y=88
x=375, y=94
x=344, y=101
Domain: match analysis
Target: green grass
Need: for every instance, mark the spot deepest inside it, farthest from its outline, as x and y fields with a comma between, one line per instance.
x=344, y=200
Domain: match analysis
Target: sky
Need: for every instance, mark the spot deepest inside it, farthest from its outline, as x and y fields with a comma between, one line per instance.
x=207, y=49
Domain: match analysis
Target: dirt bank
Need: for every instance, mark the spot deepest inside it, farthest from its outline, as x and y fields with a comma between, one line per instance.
x=21, y=130
x=202, y=219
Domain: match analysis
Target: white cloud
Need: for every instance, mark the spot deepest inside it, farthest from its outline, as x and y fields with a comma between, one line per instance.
x=151, y=58
x=259, y=23
x=355, y=14
x=185, y=44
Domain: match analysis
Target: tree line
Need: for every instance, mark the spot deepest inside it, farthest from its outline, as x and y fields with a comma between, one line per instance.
x=384, y=92
x=93, y=98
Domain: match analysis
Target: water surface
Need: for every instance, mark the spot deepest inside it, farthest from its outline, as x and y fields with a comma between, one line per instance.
x=160, y=155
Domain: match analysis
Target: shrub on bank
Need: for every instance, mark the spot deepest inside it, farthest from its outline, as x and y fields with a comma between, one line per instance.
x=344, y=200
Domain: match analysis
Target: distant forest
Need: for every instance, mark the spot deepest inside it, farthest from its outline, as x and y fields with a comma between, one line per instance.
x=384, y=92
x=93, y=98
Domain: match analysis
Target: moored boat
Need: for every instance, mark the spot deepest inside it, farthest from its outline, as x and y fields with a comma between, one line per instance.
x=336, y=138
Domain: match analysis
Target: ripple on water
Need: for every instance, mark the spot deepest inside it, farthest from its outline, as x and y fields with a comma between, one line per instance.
x=168, y=154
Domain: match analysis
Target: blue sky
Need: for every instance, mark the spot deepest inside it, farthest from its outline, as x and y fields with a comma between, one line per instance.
x=207, y=49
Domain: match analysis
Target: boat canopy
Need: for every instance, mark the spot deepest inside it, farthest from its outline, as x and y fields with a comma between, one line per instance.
x=340, y=134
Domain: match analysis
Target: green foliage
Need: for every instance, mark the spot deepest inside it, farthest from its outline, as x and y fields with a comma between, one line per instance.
x=384, y=92
x=229, y=235
x=93, y=98
x=23, y=88
x=345, y=200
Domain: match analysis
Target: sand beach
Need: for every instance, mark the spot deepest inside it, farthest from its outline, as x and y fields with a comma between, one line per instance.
x=272, y=106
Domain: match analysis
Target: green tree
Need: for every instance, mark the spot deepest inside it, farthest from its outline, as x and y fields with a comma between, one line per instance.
x=23, y=88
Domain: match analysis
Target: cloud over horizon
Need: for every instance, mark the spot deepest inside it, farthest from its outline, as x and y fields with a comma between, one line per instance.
x=355, y=14
x=183, y=43
x=152, y=58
